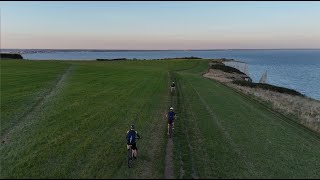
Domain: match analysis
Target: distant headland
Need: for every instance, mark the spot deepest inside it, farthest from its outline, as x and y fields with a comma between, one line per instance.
x=10, y=56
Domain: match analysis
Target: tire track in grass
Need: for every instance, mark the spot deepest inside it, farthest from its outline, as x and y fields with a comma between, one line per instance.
x=87, y=168
x=186, y=131
x=310, y=135
x=168, y=173
x=27, y=117
x=157, y=133
x=169, y=158
x=275, y=133
x=183, y=109
x=204, y=154
x=246, y=161
x=194, y=174
x=150, y=155
x=181, y=164
x=89, y=163
x=149, y=168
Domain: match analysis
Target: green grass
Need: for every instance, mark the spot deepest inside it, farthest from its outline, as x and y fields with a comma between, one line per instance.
x=80, y=132
x=75, y=128
x=22, y=83
x=235, y=137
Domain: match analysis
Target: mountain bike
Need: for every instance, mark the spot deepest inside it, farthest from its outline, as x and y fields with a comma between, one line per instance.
x=130, y=156
x=170, y=130
x=173, y=89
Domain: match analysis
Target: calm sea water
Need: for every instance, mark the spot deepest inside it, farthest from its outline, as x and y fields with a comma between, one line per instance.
x=294, y=69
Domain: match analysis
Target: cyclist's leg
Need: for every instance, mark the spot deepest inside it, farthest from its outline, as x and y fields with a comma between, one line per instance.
x=135, y=150
x=136, y=153
x=169, y=123
x=129, y=153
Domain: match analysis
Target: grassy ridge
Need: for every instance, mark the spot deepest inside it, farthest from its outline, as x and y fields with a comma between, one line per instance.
x=79, y=113
x=233, y=137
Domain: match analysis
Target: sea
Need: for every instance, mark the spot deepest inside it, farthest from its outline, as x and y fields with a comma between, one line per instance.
x=297, y=69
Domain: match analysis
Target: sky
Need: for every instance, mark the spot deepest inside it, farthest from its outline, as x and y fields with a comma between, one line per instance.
x=160, y=25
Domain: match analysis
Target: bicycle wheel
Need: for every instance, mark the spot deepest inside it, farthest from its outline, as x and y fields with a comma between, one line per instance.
x=130, y=158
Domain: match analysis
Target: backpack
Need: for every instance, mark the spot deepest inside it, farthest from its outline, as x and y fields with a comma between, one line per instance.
x=171, y=115
x=131, y=136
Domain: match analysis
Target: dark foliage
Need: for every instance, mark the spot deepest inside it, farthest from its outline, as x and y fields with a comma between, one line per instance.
x=225, y=68
x=268, y=87
x=117, y=59
x=10, y=56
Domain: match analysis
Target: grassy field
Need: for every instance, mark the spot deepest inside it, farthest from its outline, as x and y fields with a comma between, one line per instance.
x=232, y=136
x=68, y=119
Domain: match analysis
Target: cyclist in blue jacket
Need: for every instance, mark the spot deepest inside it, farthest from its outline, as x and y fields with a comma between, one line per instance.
x=131, y=140
x=171, y=117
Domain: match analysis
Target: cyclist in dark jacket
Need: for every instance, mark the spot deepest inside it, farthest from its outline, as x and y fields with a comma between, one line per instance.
x=131, y=140
x=173, y=86
x=171, y=117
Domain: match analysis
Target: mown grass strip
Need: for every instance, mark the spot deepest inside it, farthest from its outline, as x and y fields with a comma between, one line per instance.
x=251, y=128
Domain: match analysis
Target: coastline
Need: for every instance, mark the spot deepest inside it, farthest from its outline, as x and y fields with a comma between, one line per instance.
x=302, y=109
x=288, y=77
x=305, y=110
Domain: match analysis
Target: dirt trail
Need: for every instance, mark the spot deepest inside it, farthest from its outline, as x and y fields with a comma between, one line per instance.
x=168, y=172
x=169, y=153
x=194, y=174
x=28, y=116
x=169, y=160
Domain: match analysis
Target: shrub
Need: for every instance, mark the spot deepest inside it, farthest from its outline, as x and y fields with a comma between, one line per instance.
x=117, y=59
x=268, y=87
x=225, y=68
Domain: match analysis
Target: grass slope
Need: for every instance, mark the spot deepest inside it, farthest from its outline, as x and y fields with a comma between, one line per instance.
x=226, y=135
x=68, y=119
x=79, y=132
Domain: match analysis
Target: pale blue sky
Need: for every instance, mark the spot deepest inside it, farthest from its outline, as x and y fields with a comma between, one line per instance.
x=160, y=25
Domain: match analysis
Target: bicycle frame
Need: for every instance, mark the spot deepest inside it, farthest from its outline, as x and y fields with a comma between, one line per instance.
x=173, y=89
x=170, y=130
x=130, y=155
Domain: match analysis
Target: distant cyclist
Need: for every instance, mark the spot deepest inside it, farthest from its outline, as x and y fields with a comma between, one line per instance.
x=171, y=117
x=173, y=86
x=131, y=140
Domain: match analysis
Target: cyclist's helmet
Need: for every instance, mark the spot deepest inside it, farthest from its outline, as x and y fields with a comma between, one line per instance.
x=171, y=109
x=132, y=126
